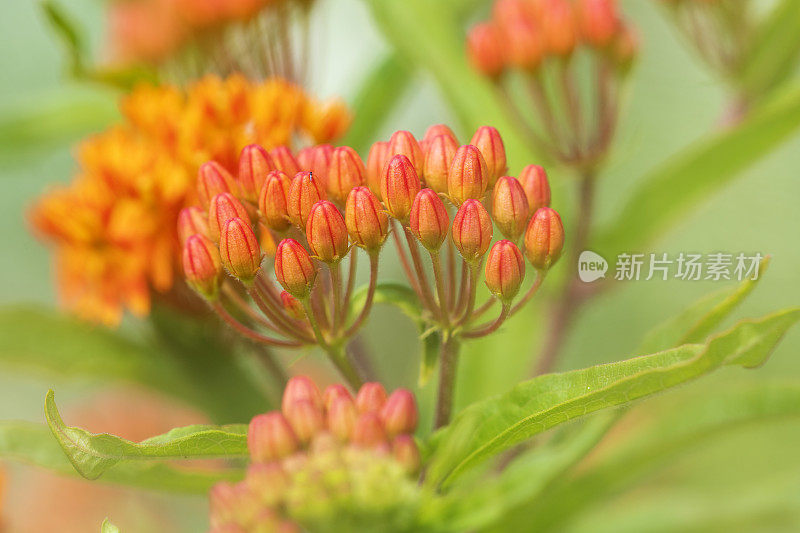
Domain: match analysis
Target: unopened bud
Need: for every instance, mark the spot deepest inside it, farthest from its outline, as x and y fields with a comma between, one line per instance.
x=406, y=452
x=239, y=250
x=505, y=270
x=403, y=142
x=429, y=221
x=485, y=50
x=510, y=207
x=399, y=413
x=342, y=417
x=318, y=160
x=376, y=160
x=598, y=21
x=487, y=139
x=333, y=392
x=224, y=207
x=306, y=190
x=365, y=219
x=292, y=306
x=274, y=199
x=369, y=431
x=213, y=179
x=524, y=44
x=399, y=185
x=266, y=240
x=305, y=418
x=346, y=171
x=468, y=176
x=533, y=179
x=559, y=26
x=201, y=265
x=327, y=233
x=270, y=437
x=192, y=221
x=268, y=481
x=439, y=129
x=544, y=238
x=254, y=165
x=294, y=269
x=472, y=230
x=284, y=160
x=624, y=49
x=371, y=397
x=300, y=388
x=438, y=157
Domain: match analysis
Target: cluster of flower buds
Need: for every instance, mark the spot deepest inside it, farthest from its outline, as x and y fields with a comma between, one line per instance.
x=541, y=39
x=323, y=455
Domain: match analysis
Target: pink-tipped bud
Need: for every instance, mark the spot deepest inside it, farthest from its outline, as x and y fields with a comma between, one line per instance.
x=224, y=207
x=305, y=190
x=270, y=437
x=369, y=432
x=365, y=219
x=254, y=165
x=274, y=199
x=439, y=129
x=510, y=207
x=487, y=139
x=327, y=233
x=376, y=160
x=284, y=160
x=240, y=251
x=399, y=185
x=505, y=270
x=399, y=413
x=485, y=50
x=429, y=221
x=403, y=142
x=305, y=418
x=201, y=265
x=345, y=173
x=292, y=306
x=533, y=179
x=213, y=179
x=371, y=397
x=333, y=392
x=300, y=388
x=472, y=230
x=559, y=26
x=294, y=269
x=468, y=176
x=192, y=221
x=406, y=452
x=598, y=21
x=342, y=417
x=438, y=157
x=544, y=238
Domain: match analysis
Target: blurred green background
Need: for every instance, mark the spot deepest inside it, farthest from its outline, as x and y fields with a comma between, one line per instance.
x=672, y=102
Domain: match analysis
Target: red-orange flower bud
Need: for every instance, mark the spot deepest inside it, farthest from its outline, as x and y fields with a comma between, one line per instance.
x=524, y=44
x=318, y=160
x=544, y=238
x=294, y=269
x=371, y=397
x=406, y=452
x=333, y=392
x=223, y=208
x=346, y=171
x=305, y=418
x=292, y=306
x=510, y=207
x=439, y=129
x=239, y=250
x=399, y=185
x=327, y=233
x=201, y=265
x=472, y=230
x=192, y=221
x=342, y=417
x=274, y=199
x=505, y=270
x=559, y=27
x=403, y=142
x=366, y=221
x=468, y=176
x=368, y=431
x=429, y=221
x=533, y=179
x=399, y=413
x=305, y=191
x=270, y=437
x=598, y=21
x=376, y=160
x=254, y=165
x=284, y=160
x=300, y=388
x=485, y=50
x=213, y=179
x=487, y=139
x=438, y=157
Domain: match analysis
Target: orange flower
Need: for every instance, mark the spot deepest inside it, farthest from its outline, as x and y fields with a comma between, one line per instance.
x=113, y=227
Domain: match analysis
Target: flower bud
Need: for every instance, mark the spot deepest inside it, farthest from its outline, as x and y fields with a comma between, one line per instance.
x=201, y=265
x=524, y=44
x=342, y=417
x=399, y=185
x=598, y=21
x=365, y=219
x=305, y=418
x=266, y=240
x=318, y=161
x=468, y=176
x=300, y=388
x=510, y=207
x=376, y=160
x=334, y=392
x=624, y=49
x=305, y=191
x=268, y=480
x=368, y=431
x=284, y=160
x=273, y=200
x=371, y=397
x=485, y=50
x=438, y=157
x=270, y=437
x=505, y=270
x=254, y=165
x=533, y=179
x=213, y=179
x=292, y=306
x=223, y=208
x=192, y=221
x=231, y=503
x=327, y=233
x=406, y=452
x=487, y=139
x=399, y=413
x=429, y=221
x=559, y=27
x=439, y=129
x=472, y=230
x=544, y=238
x=402, y=142
x=239, y=250
x=294, y=269
x=346, y=171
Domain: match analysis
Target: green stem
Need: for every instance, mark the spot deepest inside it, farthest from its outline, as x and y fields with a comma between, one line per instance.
x=448, y=369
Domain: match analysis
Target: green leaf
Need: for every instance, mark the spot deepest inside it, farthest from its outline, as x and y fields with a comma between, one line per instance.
x=66, y=29
x=670, y=191
x=701, y=318
x=489, y=427
x=92, y=455
x=108, y=527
